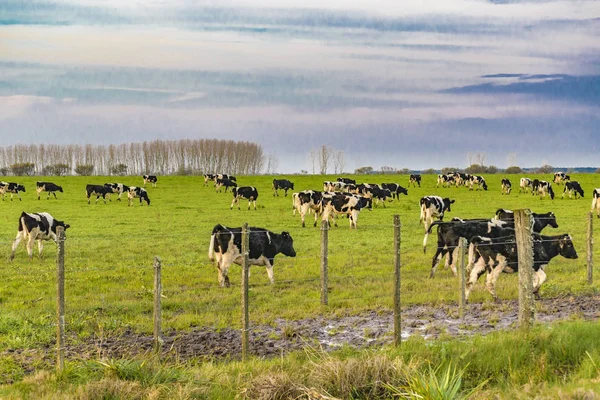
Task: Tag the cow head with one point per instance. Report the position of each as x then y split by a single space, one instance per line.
485 186
60 189
292 185
402 190
287 245
447 203
57 223
565 244
552 219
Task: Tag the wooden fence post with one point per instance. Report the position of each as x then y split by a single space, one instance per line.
462 248
397 297
245 313
590 248
324 262
524 239
60 275
157 304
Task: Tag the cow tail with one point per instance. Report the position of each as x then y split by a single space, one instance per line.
22 225
211 248
422 217
425 242
471 259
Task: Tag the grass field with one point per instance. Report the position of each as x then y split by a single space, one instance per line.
110 250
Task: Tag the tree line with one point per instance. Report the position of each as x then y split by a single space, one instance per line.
160 157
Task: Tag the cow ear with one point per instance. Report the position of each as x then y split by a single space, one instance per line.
67 226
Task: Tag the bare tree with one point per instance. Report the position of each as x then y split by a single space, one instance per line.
512 159
339 161
324 156
314 155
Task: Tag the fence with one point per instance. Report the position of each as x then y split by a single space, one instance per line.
526 297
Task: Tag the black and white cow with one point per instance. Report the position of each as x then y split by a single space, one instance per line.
445 180
224 176
150 178
414 179
282 184
306 201
540 220
542 188
137 192
226 183
49 187
98 191
244 192
463 179
347 181
226 248
525 185
12 188
560 177
36 226
498 255
506 186
380 194
478 182
433 207
572 187
208 177
118 188
396 189
340 203
596 201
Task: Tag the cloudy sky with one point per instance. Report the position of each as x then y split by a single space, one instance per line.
412 83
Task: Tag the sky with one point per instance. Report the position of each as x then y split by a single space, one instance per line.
407 84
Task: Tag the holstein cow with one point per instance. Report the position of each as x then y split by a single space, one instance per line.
540 221
49 187
572 187
137 192
224 182
208 177
414 179
396 189
525 185
432 207
226 249
449 234
506 186
347 181
35 226
596 201
150 178
12 188
344 204
306 201
478 182
497 255
283 184
542 188
445 180
98 191
224 176
560 177
380 194
117 188
244 192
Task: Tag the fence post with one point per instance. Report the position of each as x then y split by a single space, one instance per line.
157 304
590 248
60 275
462 247
245 315
525 257
397 297
324 262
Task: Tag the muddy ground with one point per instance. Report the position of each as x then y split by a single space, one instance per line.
365 330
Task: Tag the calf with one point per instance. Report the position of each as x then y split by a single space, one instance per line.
351 205
49 187
381 195
540 221
137 192
497 255
117 188
572 187
525 185
36 226
12 188
226 248
596 201
224 182
414 179
283 184
150 178
560 177
396 189
478 182
506 186
543 188
245 192
98 191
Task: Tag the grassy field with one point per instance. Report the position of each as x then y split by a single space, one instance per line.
110 250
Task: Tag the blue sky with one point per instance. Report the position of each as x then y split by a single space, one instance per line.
399 83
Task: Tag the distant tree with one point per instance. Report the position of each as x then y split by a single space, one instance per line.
363 170
513 170
475 169
303 172
545 169
118 169
404 171
339 161
430 171
22 169
56 169
447 170
491 169
84 169
324 155
387 170
597 171
4 170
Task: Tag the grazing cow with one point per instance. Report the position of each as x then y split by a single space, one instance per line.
226 249
478 181
396 189
540 221
208 177
347 181
497 255
35 226
414 179
463 179
135 192
244 192
449 234
596 201
224 182
224 176
543 188
572 187
283 184
506 186
12 188
98 191
525 185
150 178
445 180
560 177
117 188
344 204
49 187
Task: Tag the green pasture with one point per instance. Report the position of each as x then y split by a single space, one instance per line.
110 250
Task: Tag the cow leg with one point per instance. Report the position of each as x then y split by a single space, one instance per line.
436 260
450 260
538 279
477 269
30 246
269 267
254 202
40 248
493 275
20 236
